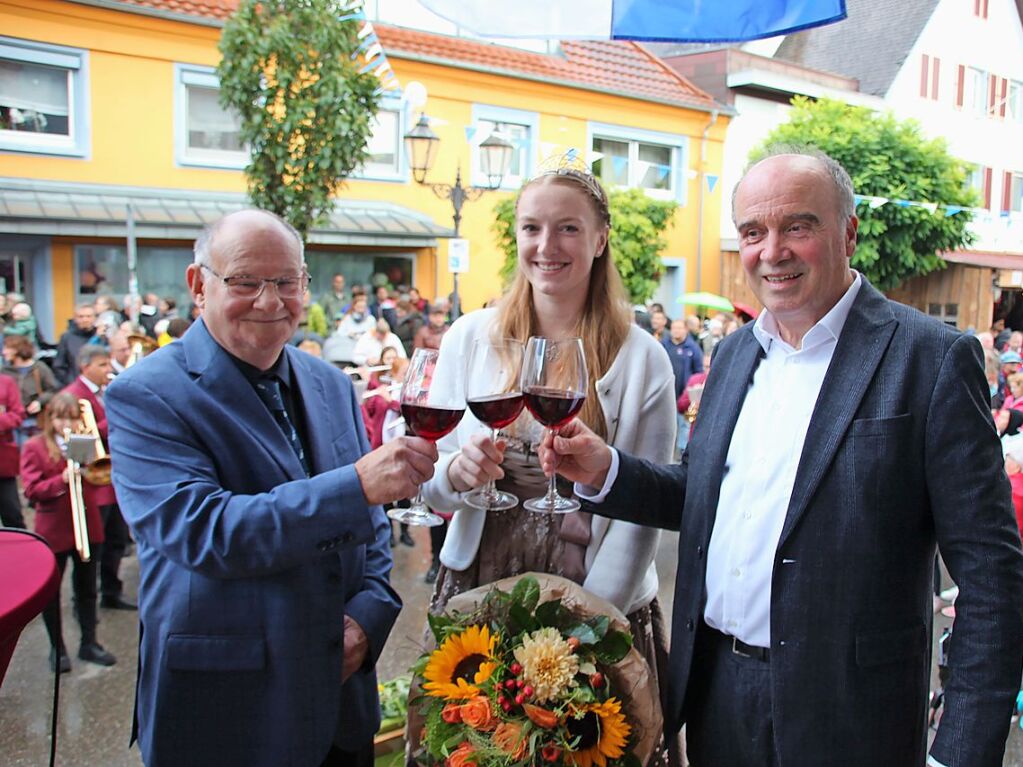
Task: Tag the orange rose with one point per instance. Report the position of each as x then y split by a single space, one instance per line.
477 713
541 717
452 713
461 756
508 738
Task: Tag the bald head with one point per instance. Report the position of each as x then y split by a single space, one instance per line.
247 223
813 161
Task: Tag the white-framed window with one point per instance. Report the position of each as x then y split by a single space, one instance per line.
516 126
947 313
976 97
43 104
975 179
386 161
1015 181
637 158
205 134
1014 109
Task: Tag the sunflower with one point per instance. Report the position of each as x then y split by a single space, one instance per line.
602 732
461 662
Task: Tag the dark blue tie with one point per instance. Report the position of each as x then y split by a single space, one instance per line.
269 390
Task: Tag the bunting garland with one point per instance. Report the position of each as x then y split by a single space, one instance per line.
370 51
946 210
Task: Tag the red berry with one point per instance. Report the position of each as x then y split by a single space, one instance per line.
528 691
596 679
515 668
505 706
520 698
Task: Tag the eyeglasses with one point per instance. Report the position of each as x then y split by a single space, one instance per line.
243 286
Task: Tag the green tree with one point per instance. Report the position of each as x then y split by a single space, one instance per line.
287 68
638 223
887 158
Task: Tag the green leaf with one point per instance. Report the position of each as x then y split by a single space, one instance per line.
439 624
549 613
526 592
613 647
583 632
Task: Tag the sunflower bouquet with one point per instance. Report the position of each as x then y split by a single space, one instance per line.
542 673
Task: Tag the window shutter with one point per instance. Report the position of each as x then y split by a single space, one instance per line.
935 74
987 188
925 68
1004 98
1006 191
960 85
984 9
992 93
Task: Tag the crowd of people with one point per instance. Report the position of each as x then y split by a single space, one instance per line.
839 440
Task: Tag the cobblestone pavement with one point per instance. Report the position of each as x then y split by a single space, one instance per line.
96 703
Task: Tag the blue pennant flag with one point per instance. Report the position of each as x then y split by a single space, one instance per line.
663 20
712 181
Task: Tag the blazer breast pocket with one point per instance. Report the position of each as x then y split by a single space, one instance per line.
346 448
881 427
197 652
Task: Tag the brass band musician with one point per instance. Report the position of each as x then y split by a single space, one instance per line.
95 366
45 475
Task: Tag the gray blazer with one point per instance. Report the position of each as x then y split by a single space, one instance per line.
901 454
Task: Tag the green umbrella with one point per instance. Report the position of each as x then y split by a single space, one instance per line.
707 301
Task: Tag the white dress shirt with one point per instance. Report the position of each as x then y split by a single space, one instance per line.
760 471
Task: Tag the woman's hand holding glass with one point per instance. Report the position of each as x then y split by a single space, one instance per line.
494 397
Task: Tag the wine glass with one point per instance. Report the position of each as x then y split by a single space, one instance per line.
554 385
494 396
432 404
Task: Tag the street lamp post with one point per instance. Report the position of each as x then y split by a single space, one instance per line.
495 156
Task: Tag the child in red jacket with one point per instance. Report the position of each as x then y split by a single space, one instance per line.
44 476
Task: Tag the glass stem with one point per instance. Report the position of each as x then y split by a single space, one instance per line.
490 489
418 507
552 488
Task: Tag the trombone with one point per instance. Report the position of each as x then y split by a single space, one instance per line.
141 345
96 471
78 520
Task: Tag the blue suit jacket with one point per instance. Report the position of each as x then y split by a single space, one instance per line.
901 453
247 567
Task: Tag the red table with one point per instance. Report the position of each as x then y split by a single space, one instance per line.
28 581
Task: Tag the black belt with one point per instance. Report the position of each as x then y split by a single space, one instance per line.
736 645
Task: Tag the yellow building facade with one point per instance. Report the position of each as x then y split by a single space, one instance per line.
108 124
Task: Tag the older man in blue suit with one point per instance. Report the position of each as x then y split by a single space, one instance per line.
243 470
841 436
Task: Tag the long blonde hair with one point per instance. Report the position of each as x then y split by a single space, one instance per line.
606 317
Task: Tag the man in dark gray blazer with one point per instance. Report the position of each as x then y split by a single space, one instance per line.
840 437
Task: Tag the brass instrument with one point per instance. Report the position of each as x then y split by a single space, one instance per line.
97 471
141 345
78 520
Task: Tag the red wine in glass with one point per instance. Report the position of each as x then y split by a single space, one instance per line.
494 397
431 423
554 383
553 407
432 403
497 410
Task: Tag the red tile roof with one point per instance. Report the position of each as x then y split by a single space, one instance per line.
206 9
623 68
619 67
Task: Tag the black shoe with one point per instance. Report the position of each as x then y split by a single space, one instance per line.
94 653
117 603
406 538
65 661
431 574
